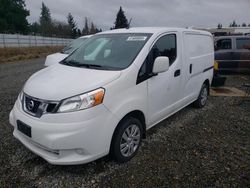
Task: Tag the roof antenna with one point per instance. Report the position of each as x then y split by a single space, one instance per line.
129 23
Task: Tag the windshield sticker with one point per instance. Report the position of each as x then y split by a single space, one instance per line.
137 38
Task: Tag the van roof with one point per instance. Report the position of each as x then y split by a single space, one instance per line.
153 30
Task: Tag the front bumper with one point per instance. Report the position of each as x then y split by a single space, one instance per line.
67 138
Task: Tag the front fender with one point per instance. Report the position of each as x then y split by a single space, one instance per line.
128 100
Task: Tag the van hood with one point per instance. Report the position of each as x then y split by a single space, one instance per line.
60 81
55 58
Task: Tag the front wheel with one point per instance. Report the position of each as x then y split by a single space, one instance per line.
126 140
202 98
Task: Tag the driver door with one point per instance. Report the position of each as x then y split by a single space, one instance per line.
164 89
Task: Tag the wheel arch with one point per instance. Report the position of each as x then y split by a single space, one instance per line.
138 114
207 83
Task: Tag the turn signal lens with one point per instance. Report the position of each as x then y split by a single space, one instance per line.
99 97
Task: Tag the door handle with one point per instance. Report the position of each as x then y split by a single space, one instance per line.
177 73
190 68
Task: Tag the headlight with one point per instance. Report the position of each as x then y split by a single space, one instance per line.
83 101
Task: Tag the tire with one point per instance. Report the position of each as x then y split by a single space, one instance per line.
126 140
202 98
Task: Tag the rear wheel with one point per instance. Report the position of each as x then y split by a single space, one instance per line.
203 96
126 140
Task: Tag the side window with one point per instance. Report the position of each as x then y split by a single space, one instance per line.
224 44
243 43
165 46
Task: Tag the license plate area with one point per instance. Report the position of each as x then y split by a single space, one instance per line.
23 128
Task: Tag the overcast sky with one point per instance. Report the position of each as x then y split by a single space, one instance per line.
180 13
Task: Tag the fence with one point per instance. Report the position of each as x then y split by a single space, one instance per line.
9 40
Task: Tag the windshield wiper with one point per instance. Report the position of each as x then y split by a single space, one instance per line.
86 65
89 65
70 63
95 66
78 64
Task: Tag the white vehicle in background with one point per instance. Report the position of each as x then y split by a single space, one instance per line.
105 96
71 47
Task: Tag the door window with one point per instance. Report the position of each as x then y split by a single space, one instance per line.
224 44
243 43
165 46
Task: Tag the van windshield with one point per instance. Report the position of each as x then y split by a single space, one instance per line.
108 51
73 45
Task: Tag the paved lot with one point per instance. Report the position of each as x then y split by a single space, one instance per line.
193 148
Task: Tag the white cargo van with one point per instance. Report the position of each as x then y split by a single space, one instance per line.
103 97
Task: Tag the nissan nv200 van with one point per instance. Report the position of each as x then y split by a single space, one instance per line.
103 97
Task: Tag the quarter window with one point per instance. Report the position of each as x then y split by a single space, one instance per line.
243 43
224 44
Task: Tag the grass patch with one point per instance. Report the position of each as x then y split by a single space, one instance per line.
25 53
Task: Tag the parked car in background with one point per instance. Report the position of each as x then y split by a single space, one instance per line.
103 97
233 53
57 57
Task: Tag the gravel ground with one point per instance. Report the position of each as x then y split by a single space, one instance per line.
207 147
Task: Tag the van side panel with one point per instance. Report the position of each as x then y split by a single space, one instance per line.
198 63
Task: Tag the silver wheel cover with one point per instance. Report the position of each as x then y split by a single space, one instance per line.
130 140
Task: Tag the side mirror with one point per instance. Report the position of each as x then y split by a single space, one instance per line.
161 64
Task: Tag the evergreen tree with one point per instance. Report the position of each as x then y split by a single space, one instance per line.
34 28
45 21
85 30
244 25
79 33
61 29
98 30
92 28
121 20
234 24
13 16
72 25
219 26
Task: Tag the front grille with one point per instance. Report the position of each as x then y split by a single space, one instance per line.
31 104
38 107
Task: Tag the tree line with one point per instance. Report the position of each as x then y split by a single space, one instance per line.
50 27
13 19
233 24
